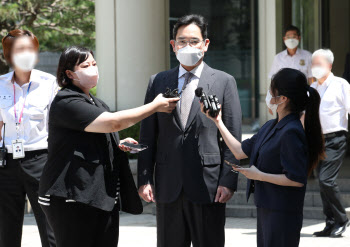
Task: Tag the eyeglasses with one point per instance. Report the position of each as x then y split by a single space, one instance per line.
192 42
292 37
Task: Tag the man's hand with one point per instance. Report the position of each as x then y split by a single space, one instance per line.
147 193
223 194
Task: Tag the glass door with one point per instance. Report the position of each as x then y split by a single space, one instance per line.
304 14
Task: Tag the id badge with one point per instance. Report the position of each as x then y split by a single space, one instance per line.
17 149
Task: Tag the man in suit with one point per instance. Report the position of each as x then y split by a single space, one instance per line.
185 154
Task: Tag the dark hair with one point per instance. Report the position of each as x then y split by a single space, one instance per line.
293 84
10 38
192 19
291 28
69 58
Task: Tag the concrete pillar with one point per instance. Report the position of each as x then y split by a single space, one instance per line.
132 43
267 51
105 13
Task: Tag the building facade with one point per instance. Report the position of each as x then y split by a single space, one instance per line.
132 42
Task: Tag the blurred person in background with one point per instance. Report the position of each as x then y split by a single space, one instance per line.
334 109
26 95
293 57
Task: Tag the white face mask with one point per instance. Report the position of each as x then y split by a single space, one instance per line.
291 43
318 72
88 78
25 60
268 99
189 56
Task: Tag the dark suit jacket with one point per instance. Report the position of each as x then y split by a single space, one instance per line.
279 148
190 159
79 165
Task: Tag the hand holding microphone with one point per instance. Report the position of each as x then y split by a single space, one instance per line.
165 104
209 104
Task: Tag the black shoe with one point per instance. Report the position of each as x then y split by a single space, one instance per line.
326 232
339 229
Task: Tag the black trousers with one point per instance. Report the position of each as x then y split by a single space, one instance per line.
181 222
278 228
20 178
76 224
328 170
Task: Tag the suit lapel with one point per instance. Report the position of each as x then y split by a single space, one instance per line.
173 82
271 131
206 81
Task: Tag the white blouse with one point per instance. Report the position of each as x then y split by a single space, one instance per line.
34 125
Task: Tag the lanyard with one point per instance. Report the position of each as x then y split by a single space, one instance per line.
14 106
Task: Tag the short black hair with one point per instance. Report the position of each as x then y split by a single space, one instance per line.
198 20
292 28
70 57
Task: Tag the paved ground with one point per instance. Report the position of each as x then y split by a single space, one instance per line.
136 231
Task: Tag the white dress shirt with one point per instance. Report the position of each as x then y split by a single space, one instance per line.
34 126
194 79
301 61
335 103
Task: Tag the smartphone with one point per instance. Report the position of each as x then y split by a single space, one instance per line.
231 164
135 148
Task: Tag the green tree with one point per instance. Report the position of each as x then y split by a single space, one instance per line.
56 23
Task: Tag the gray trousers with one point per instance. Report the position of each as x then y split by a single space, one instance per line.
328 170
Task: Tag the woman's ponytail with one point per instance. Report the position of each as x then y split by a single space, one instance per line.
313 129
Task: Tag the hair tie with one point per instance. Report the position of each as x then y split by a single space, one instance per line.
308 90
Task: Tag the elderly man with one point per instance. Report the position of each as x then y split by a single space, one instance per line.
334 108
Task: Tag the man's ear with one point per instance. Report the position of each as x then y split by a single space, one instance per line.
172 42
69 74
206 45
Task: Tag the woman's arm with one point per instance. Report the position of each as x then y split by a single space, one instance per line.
233 144
279 179
112 122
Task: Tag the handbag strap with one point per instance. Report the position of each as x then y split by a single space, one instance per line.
3 138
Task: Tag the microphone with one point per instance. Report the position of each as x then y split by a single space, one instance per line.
210 102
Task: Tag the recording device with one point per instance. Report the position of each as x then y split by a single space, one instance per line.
171 93
211 102
3 152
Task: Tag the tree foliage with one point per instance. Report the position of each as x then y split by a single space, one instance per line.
56 23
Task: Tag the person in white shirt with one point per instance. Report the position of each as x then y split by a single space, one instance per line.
25 98
334 109
293 57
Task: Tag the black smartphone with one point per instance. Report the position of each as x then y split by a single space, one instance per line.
231 164
135 148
